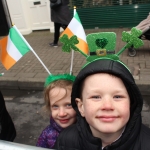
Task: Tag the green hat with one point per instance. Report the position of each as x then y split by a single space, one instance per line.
101 44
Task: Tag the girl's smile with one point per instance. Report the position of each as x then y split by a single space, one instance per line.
61 108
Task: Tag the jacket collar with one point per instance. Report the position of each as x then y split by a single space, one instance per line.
126 141
55 125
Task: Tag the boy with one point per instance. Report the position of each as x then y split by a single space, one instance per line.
108 105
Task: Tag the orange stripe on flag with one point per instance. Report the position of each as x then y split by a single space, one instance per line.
6 60
82 45
68 32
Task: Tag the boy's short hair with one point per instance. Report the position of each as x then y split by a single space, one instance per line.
66 84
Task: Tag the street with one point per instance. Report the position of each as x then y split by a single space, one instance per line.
25 108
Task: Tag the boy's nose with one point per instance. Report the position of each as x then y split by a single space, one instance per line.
62 112
107 104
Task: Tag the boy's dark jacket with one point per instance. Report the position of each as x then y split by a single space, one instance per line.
79 137
7 128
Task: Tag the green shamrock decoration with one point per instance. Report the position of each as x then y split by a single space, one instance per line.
101 42
132 38
106 41
69 44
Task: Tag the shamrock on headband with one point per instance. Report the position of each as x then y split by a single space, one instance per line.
69 43
103 44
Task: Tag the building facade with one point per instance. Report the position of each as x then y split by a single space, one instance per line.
29 15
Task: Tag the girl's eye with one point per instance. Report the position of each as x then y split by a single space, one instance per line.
54 106
69 105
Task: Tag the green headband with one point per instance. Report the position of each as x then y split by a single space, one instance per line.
102 45
52 78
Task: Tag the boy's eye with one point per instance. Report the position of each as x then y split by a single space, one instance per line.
117 96
96 97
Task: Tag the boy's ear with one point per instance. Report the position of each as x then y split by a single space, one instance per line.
80 106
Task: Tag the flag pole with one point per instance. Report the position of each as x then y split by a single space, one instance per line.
31 48
72 52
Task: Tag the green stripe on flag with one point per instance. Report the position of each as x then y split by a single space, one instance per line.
18 42
77 17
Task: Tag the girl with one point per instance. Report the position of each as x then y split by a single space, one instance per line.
57 95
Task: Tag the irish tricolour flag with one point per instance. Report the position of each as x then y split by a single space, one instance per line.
12 48
75 28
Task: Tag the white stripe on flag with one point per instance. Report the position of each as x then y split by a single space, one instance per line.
77 29
12 50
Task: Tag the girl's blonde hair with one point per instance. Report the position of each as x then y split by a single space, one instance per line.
66 84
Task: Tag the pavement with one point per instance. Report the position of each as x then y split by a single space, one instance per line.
28 73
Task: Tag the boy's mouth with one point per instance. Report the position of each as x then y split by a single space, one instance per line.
107 118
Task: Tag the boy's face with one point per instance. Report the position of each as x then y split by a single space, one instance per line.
60 107
105 104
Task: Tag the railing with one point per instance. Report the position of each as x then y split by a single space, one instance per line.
99 3
112 16
4 145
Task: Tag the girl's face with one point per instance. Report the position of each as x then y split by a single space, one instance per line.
105 104
61 108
